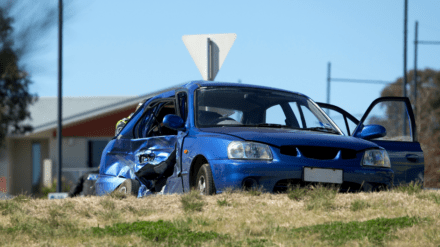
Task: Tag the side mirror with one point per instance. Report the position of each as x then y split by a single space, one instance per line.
371 131
174 122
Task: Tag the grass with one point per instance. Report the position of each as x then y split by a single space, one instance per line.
316 197
376 230
158 231
358 205
313 216
411 188
296 192
223 203
321 197
434 197
192 202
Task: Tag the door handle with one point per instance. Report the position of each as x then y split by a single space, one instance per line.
412 157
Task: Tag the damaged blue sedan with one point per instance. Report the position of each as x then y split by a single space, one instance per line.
211 136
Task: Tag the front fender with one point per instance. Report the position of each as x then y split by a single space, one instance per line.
210 146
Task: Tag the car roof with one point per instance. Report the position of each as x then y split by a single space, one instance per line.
201 83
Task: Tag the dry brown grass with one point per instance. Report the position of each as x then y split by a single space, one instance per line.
243 217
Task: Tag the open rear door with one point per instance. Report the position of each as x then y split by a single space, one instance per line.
406 155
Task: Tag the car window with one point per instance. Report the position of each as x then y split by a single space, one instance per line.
221 106
272 115
217 115
150 124
182 99
392 115
310 119
141 126
339 119
296 112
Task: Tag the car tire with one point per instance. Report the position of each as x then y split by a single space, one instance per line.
129 187
204 181
89 188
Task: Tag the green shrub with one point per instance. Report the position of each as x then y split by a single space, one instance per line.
66 185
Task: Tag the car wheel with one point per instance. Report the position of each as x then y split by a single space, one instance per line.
129 187
205 182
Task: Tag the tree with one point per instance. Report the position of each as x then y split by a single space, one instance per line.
15 46
427 117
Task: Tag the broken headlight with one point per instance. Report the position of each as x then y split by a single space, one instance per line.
249 150
377 158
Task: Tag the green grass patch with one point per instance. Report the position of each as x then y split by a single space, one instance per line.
160 232
358 205
223 203
107 203
321 197
8 207
192 202
118 195
296 193
411 188
430 196
56 224
376 230
22 198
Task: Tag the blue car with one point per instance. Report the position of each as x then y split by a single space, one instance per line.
211 136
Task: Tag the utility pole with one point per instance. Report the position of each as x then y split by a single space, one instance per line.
60 93
416 44
415 70
328 83
404 63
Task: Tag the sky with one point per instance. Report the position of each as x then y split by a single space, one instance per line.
124 48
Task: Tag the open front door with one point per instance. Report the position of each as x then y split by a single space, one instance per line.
393 113
406 155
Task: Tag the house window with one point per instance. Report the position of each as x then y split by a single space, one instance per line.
36 164
95 151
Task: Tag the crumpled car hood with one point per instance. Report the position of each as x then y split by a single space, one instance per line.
281 137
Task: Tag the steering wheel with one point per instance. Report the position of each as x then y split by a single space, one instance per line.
218 120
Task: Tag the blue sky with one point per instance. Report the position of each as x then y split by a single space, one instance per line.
114 48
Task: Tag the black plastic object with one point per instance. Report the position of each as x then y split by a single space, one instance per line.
164 168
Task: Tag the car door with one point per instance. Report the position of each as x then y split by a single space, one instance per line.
396 115
151 143
345 121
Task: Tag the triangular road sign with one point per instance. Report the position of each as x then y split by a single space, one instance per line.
209 51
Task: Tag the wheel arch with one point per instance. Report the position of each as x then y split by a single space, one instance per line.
196 163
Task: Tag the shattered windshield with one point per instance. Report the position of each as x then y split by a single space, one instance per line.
241 106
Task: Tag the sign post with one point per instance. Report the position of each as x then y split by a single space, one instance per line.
209 51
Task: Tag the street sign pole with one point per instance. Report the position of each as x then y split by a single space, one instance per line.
60 92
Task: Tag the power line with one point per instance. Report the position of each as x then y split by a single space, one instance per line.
429 42
361 81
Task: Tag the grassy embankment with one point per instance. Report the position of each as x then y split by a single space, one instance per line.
406 216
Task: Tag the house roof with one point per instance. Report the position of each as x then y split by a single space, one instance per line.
75 109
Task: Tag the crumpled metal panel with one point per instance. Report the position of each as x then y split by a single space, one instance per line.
106 184
121 159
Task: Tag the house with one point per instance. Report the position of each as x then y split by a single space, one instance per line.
88 124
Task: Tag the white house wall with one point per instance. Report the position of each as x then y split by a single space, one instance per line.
4 162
